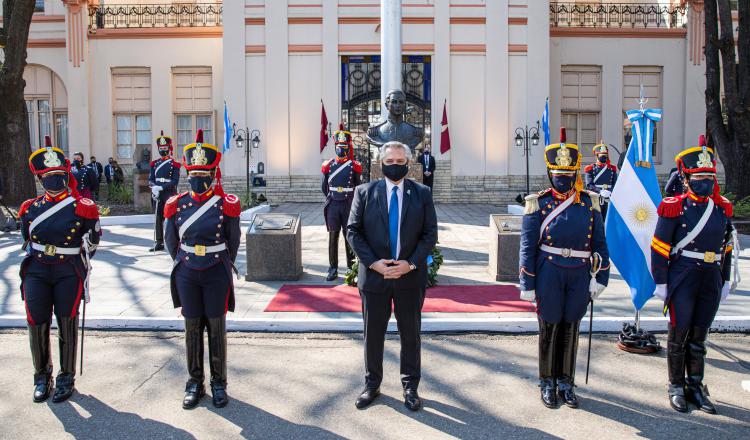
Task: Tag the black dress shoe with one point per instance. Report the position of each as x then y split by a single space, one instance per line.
194 392
219 393
64 387
367 397
548 394
333 273
567 394
157 247
412 400
698 394
42 390
677 398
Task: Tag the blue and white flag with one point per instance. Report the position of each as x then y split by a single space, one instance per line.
227 130
631 217
545 122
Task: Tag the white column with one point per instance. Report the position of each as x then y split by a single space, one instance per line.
496 113
331 83
233 90
390 49
441 74
277 89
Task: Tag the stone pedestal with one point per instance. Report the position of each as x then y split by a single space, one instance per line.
141 190
274 247
504 246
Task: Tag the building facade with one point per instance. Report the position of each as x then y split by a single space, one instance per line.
105 78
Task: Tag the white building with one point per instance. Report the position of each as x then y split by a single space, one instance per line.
106 79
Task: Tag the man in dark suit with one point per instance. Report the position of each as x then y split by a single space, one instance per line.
98 171
392 228
428 166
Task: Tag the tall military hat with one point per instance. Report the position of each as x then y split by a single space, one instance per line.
601 148
199 155
562 157
343 138
48 158
164 142
697 160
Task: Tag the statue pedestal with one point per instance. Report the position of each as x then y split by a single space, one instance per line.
415 172
141 190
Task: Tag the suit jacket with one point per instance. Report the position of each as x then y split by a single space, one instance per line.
430 166
367 233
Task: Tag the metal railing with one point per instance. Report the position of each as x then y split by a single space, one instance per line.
111 16
617 15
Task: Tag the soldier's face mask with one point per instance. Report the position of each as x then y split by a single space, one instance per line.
78 162
601 159
563 183
341 152
164 152
702 187
55 182
200 183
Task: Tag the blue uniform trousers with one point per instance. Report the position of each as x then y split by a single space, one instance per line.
203 293
562 293
48 287
694 299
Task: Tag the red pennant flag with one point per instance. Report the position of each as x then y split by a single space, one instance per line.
445 138
323 127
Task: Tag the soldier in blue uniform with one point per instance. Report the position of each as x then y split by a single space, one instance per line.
163 180
564 263
601 176
203 236
340 176
60 231
690 262
84 175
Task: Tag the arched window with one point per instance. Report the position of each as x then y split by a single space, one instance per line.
47 105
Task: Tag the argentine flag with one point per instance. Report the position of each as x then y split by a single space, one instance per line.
545 122
227 130
631 217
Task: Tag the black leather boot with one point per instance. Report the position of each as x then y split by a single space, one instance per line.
567 349
159 246
547 335
676 342
695 363
333 256
194 388
41 355
217 360
67 329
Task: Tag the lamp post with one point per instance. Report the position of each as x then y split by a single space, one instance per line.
523 136
247 139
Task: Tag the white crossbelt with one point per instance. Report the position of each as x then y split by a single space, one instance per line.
708 257
163 180
52 250
197 214
161 165
697 229
338 170
567 253
599 174
202 250
50 212
340 189
555 212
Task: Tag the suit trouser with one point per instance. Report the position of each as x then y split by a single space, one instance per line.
376 311
158 205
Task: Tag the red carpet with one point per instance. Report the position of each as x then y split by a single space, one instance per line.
451 299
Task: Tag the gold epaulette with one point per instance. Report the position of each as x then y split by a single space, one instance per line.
532 204
594 200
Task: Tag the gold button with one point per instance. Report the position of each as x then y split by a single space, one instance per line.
78 224
217 234
588 236
61 257
69 237
34 236
187 258
72 230
190 204
550 257
549 237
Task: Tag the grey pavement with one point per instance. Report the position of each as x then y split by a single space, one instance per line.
303 386
129 282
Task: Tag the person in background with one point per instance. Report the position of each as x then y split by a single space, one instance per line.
109 172
119 176
428 167
163 178
601 176
84 176
99 170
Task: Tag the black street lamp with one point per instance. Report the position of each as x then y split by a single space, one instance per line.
523 136
244 138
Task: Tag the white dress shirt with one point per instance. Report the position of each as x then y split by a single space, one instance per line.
400 194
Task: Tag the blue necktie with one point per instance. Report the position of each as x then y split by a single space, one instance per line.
393 223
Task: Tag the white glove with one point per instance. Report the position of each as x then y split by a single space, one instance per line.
528 295
661 291
724 291
605 193
155 190
596 289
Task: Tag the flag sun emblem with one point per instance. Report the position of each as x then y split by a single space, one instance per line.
641 214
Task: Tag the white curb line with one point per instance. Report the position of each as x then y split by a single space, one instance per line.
145 219
500 325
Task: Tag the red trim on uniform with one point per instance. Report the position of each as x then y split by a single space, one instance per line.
326 167
29 319
50 198
611 167
232 206
226 303
670 207
672 319
202 197
725 204
78 299
588 168
86 208
357 167
25 206
170 208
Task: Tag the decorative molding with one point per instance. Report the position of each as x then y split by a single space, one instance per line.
617 32
151 33
518 21
375 48
305 48
305 20
468 20
376 20
76 31
697 32
39 43
255 21
39 18
518 48
468 48
255 48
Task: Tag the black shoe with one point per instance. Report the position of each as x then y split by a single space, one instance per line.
698 394
157 247
42 389
333 274
367 397
219 393
412 400
194 392
548 394
677 398
567 394
64 387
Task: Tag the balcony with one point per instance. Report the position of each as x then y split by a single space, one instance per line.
154 16
621 16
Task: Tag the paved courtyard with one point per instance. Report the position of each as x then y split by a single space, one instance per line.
129 282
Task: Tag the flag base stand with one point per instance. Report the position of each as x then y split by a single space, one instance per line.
634 339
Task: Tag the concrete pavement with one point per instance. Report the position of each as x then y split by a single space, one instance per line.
304 386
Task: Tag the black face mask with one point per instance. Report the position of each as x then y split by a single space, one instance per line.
395 172
601 159
200 184
55 182
163 153
111 162
562 183
341 152
703 187
77 163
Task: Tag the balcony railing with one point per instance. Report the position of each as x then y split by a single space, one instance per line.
617 15
111 16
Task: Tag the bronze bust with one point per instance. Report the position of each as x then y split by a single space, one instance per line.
145 163
394 128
